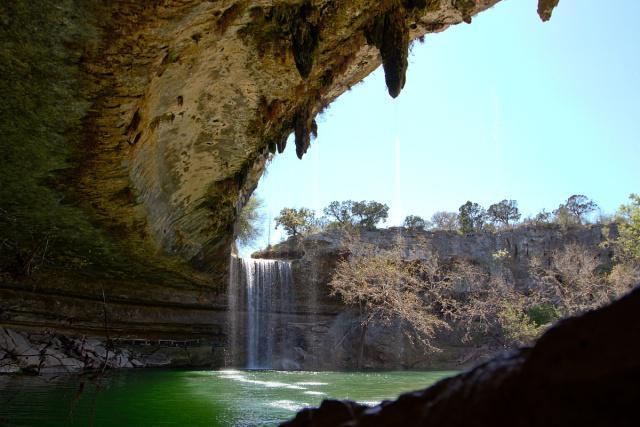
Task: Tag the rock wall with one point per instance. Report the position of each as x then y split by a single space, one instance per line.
324 334
133 132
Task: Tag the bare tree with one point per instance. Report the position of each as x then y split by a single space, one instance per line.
572 282
491 307
445 221
385 288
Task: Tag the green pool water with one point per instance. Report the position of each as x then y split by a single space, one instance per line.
191 398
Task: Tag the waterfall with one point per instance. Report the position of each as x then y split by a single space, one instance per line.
260 296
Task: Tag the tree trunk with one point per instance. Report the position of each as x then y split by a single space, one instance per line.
363 333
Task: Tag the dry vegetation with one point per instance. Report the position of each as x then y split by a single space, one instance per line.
481 305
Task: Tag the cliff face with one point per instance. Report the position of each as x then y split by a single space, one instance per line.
325 334
133 132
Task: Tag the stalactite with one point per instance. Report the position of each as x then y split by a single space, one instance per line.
290 26
304 43
545 8
303 129
282 144
466 8
390 34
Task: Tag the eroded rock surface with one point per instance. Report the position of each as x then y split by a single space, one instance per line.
47 353
133 132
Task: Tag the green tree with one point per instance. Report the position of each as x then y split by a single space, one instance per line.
564 217
471 217
362 214
414 222
369 214
341 213
445 221
628 242
543 217
296 221
504 212
249 223
578 206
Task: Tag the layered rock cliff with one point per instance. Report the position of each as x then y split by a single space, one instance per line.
324 334
133 132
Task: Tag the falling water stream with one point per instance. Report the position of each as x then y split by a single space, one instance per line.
261 294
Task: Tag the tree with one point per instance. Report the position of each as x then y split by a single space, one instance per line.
543 217
471 217
564 218
341 213
369 214
628 242
414 222
387 288
295 221
577 205
357 214
504 212
248 225
445 221
571 280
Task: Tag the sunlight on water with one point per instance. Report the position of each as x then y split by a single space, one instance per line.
191 398
315 393
289 405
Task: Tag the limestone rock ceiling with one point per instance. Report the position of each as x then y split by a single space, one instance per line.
194 95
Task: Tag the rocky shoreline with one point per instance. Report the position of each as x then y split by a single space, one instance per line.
38 353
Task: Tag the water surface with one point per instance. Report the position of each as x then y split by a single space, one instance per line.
191 398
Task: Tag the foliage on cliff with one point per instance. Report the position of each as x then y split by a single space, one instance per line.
248 226
628 242
482 304
296 221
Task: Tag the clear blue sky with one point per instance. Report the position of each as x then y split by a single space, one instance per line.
508 107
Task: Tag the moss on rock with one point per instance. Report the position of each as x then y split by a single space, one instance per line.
296 25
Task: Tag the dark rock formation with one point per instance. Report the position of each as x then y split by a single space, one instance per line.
582 372
545 8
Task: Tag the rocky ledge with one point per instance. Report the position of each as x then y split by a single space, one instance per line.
48 353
